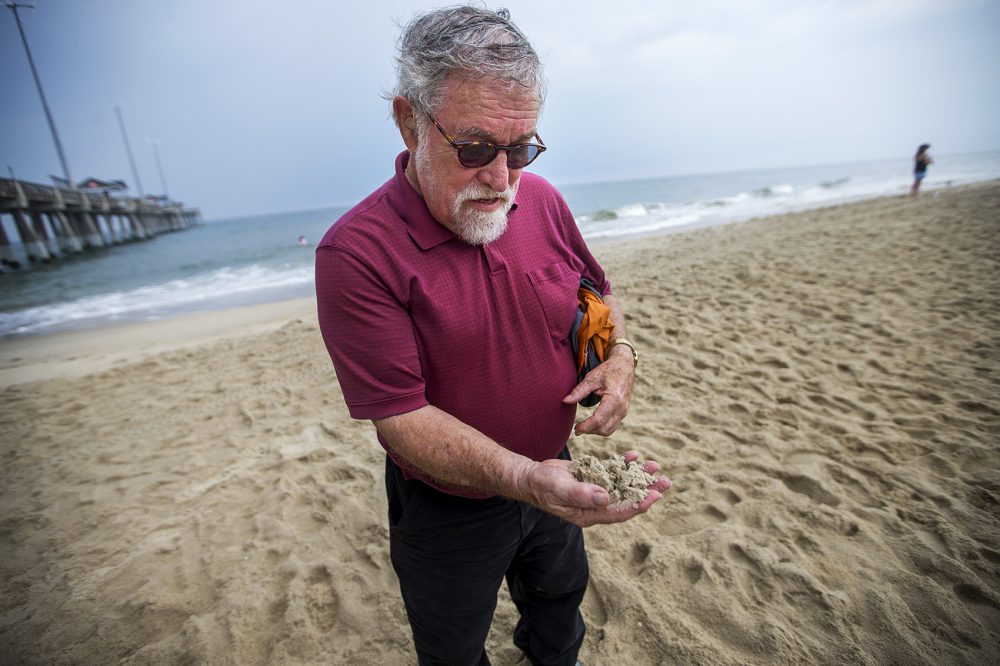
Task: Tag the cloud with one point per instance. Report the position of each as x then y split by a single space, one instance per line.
270 106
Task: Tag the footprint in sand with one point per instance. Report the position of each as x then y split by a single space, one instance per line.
934 540
739 555
977 407
321 599
676 443
693 571
694 522
728 496
810 487
640 553
990 555
981 604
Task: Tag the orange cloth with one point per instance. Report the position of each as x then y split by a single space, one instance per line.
596 327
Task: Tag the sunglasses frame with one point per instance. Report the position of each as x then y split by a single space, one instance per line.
459 145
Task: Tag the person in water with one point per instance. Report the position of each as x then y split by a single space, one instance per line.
920 162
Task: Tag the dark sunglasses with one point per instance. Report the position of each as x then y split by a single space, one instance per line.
476 154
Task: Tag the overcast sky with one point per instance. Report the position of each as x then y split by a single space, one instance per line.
269 106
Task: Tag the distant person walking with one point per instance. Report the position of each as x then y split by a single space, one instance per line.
920 162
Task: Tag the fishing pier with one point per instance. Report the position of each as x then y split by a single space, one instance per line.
50 222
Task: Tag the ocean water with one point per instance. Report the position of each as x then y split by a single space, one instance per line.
242 261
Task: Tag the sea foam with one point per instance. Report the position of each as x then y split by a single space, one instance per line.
213 289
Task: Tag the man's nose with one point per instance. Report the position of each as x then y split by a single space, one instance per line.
496 174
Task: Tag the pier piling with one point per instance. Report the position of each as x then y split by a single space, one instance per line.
52 222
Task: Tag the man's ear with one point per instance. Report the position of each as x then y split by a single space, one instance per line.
406 119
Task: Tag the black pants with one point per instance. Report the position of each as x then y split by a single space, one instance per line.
451 553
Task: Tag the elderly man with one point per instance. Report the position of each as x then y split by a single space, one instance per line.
445 299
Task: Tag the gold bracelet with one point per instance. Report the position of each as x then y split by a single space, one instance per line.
627 343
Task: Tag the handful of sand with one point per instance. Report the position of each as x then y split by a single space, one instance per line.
626 482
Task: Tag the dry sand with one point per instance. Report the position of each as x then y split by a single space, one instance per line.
823 388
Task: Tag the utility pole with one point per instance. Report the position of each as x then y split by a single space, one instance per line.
154 143
128 149
13 7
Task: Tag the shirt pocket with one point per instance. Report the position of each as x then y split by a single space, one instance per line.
555 287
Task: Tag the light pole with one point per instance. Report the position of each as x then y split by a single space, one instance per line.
128 150
154 144
13 7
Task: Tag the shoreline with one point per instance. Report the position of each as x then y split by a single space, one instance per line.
81 313
69 329
821 386
77 353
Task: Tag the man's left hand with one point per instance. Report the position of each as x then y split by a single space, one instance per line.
612 380
552 488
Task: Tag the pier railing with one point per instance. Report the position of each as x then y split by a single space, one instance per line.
51 222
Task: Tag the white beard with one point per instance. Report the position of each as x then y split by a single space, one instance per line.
477 227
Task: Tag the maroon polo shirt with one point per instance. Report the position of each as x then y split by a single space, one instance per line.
414 316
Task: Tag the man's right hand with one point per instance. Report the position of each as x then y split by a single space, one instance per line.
551 487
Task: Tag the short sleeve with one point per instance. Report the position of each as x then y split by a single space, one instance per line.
369 335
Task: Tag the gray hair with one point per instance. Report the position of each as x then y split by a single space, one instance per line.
466 39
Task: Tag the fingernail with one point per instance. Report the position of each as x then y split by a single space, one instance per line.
600 499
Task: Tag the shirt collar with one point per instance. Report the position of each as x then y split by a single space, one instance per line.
425 231
412 209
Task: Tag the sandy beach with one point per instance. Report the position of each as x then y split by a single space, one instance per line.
822 387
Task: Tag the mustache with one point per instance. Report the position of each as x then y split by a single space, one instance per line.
473 192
